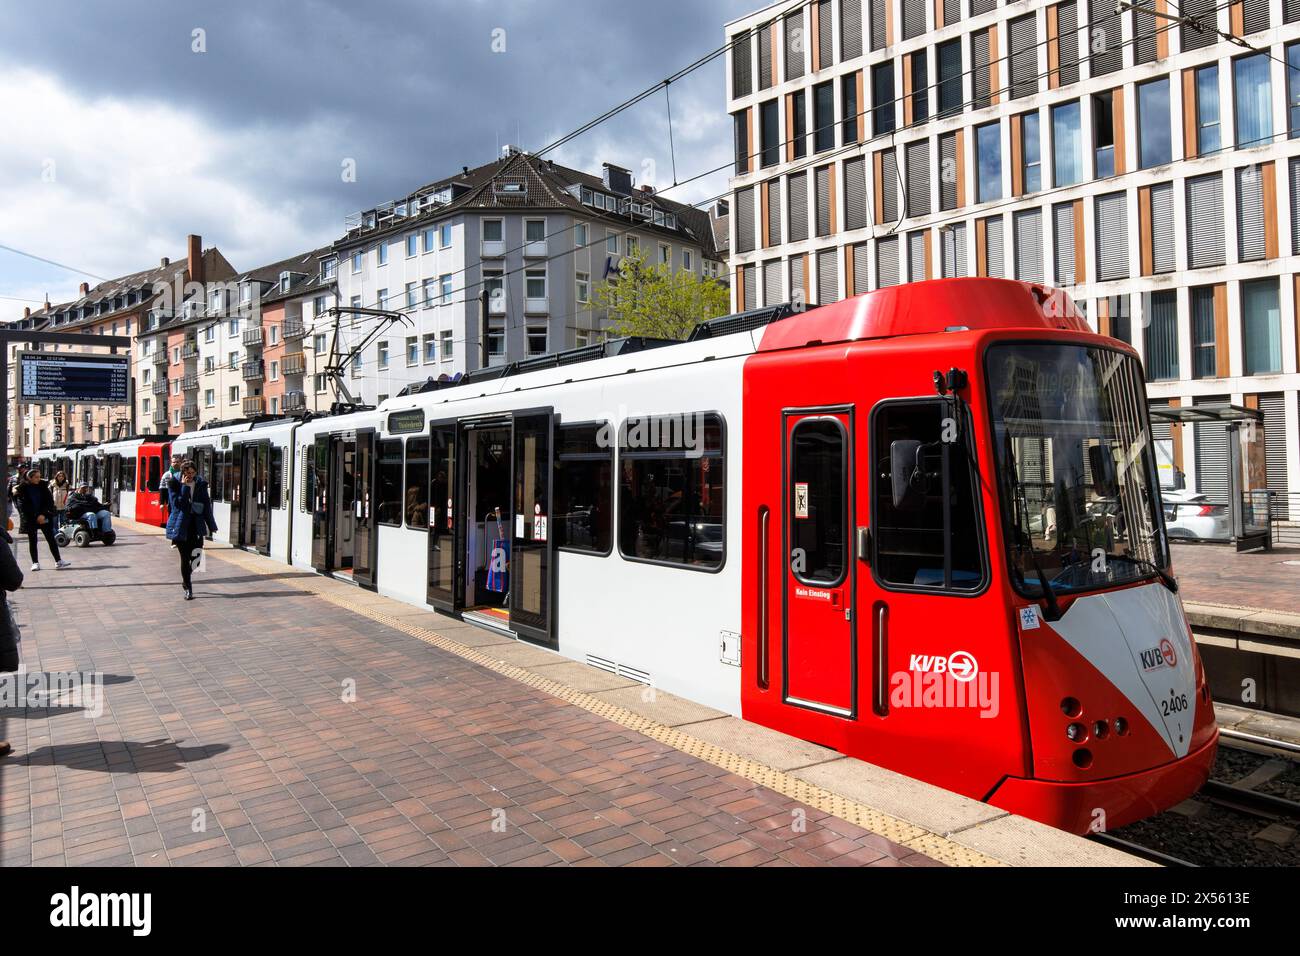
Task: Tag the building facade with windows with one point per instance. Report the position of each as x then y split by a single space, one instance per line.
1147 165
537 237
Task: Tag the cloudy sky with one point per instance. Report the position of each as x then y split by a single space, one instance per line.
121 139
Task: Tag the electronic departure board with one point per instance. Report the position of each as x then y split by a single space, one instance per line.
72 378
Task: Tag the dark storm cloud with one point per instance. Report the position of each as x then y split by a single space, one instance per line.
411 90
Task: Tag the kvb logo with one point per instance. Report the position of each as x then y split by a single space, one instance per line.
960 665
1163 655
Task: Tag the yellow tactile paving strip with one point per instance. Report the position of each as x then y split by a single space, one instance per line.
891 828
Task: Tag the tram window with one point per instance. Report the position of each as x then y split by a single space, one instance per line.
817 470
920 544
217 481
417 483
154 475
671 490
584 494
275 478
128 474
389 496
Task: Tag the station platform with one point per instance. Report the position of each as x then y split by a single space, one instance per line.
284 718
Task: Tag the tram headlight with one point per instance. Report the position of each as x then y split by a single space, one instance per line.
1071 707
1100 729
1077 733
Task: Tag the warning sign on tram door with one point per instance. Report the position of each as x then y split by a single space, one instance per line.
801 499
73 378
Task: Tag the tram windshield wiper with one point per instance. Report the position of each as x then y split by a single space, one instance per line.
1165 577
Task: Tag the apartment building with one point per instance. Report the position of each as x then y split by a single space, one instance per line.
234 349
537 237
1146 164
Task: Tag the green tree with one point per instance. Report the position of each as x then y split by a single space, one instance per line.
657 302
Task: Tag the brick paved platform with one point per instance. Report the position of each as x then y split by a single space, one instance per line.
230 710
1218 574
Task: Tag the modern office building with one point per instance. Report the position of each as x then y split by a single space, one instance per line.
1145 163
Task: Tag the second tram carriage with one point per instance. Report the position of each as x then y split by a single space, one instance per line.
922 527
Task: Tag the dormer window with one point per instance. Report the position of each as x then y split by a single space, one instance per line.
285 280
246 293
328 268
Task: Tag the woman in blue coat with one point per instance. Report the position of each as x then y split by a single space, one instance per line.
190 521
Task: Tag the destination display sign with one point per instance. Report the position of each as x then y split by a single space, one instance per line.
74 378
406 423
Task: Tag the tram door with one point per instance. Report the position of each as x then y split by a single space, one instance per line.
446 590
322 498
255 513
820 619
365 535
532 557
344 542
113 484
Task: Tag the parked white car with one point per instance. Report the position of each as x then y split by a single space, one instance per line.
1189 514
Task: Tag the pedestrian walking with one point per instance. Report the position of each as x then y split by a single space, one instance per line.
11 579
60 488
190 522
36 506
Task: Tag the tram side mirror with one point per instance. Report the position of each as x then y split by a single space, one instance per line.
1105 478
907 477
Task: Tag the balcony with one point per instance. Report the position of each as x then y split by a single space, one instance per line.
253 337
162 357
497 302
294 402
254 406
160 387
535 249
537 305
252 371
189 383
160 415
190 413
295 363
190 350
293 329
492 249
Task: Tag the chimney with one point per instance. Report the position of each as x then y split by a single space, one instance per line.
164 263
85 289
27 312
194 256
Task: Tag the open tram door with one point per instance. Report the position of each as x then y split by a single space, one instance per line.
491 556
344 543
253 520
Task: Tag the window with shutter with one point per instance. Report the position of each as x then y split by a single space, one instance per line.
861 268
948 171
887 262
1067 30
745 220
1190 35
952 240
1027 228
1063 243
822 186
1250 214
1107 49
828 276
855 193
889 185
774 213
949 89
1144 35
1162 228
1024 56
918 178
1294 170
951 12
797 293
741 126
1212 454
982 6
796 46
916 256
772 294
742 66
1160 337
994 255
1112 237
1205 246
1273 407
913 18
1290 11
1254 15
797 190
979 62
878 24
825 48
764 58
750 282
850 29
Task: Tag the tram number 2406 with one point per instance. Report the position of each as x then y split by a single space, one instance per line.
1176 704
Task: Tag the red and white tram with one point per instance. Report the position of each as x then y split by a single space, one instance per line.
921 527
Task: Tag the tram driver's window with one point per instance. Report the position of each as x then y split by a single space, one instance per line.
416 495
155 475
918 543
672 499
584 489
389 510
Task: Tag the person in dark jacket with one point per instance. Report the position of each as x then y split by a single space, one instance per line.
11 579
84 503
190 522
36 505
